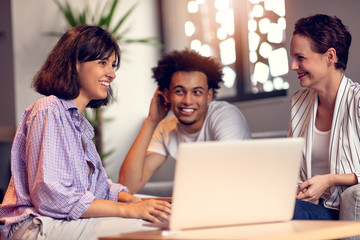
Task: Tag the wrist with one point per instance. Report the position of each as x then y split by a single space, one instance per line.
122 209
124 196
151 122
331 180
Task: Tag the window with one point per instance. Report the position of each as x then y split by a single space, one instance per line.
247 36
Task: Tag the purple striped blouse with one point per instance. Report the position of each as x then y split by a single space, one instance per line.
50 156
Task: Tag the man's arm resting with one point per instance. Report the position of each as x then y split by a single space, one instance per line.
135 174
138 166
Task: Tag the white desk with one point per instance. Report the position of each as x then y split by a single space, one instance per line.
301 230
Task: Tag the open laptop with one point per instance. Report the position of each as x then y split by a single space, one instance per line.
235 182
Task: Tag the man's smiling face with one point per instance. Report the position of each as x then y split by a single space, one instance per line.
189 95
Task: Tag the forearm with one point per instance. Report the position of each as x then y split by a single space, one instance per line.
132 170
343 179
148 209
104 208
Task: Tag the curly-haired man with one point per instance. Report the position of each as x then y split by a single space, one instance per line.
187 84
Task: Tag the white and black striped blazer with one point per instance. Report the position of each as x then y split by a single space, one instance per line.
344 149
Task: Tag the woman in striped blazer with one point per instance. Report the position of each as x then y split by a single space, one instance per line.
326 113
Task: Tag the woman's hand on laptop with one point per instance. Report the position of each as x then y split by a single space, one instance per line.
150 210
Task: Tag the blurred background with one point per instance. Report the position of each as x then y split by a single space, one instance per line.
250 37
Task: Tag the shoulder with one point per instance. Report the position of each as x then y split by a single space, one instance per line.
46 103
222 113
303 96
224 121
354 87
46 106
168 124
302 93
352 95
219 107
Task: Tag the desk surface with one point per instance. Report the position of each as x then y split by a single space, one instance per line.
281 230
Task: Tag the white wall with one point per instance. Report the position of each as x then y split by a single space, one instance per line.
133 86
31 19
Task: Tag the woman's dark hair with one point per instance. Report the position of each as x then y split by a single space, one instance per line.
187 60
326 32
58 76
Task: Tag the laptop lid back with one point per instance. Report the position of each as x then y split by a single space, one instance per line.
235 182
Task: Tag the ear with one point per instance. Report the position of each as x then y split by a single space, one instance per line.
166 95
78 66
331 57
210 95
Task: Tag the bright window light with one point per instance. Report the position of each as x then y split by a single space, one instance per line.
275 34
210 29
268 86
253 81
277 6
258 11
189 28
265 50
205 50
227 51
252 25
278 62
282 22
261 72
264 25
229 77
228 24
221 4
278 83
193 7
253 57
195 45
286 85
254 40
219 17
221 34
254 89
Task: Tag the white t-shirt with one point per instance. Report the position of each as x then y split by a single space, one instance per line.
223 121
320 164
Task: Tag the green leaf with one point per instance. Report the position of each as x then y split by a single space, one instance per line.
110 14
154 41
105 155
102 15
122 20
69 15
107 120
54 34
82 17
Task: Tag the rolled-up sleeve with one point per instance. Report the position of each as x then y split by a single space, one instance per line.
115 189
80 207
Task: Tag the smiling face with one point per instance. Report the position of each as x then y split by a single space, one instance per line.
189 95
312 68
95 78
